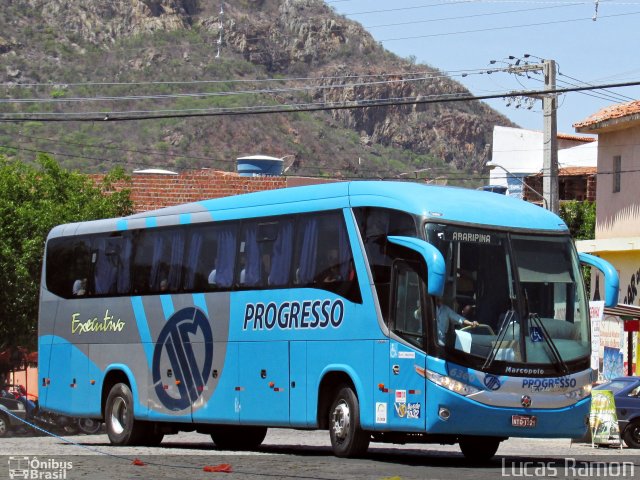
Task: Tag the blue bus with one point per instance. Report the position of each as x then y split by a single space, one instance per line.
379 311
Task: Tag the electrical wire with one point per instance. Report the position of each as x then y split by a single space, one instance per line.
186 113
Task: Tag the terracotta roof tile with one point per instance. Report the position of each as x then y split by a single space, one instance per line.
608 113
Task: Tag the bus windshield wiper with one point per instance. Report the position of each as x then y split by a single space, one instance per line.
558 362
508 319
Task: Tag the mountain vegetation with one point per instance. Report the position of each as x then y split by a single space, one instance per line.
63 59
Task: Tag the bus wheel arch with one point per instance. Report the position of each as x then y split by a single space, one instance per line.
339 412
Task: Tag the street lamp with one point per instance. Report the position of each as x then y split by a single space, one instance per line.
492 165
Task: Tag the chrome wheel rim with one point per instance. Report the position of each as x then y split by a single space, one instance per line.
341 420
119 416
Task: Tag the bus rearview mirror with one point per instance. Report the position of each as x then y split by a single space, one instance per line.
611 280
435 261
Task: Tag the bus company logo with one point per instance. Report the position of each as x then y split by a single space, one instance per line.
308 314
492 382
174 345
35 468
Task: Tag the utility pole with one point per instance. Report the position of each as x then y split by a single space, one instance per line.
550 139
550 130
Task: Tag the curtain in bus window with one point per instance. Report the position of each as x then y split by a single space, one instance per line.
158 248
124 266
225 257
344 254
192 260
281 256
175 265
106 268
307 262
253 263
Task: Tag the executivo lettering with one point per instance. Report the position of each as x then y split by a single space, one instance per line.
93 325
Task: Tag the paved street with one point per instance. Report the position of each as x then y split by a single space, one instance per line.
307 455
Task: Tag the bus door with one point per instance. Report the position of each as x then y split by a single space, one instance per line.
407 360
264 382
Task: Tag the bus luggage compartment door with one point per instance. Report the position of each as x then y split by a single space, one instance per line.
264 383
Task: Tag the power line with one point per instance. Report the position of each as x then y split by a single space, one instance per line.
115 116
506 27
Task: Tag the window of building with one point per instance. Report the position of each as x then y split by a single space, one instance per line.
617 172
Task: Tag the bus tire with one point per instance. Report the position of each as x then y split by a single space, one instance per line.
347 437
122 428
632 434
479 449
238 437
5 426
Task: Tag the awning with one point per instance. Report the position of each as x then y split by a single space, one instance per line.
623 310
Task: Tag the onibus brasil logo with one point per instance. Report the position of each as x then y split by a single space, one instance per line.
37 468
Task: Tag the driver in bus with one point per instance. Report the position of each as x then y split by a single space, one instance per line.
445 317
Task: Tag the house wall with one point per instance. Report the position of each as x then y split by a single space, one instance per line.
618 214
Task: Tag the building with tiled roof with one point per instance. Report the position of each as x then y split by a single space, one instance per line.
618 199
520 152
614 117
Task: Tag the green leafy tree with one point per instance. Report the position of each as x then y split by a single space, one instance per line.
34 199
580 217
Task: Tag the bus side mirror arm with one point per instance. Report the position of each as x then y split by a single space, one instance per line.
611 281
435 262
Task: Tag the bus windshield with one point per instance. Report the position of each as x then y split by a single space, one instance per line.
524 291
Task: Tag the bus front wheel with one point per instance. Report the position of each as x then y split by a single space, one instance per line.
347 437
479 449
122 428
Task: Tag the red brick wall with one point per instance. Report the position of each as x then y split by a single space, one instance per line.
150 191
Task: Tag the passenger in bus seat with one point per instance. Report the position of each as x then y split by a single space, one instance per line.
332 272
211 280
79 287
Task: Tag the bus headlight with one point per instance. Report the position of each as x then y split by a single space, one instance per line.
451 384
579 394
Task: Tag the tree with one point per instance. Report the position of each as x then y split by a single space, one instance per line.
580 217
34 199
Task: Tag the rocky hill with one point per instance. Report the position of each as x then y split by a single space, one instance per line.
74 56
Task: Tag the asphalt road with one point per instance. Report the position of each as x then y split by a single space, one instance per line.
291 454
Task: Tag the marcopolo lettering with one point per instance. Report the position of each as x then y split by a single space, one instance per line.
308 314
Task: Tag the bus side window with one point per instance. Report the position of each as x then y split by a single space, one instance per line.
210 257
375 224
112 265
68 265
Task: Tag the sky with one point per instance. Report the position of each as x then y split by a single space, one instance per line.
463 36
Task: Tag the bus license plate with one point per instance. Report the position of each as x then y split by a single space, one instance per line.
524 421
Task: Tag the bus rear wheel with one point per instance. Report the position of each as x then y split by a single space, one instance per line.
238 437
347 437
122 428
479 449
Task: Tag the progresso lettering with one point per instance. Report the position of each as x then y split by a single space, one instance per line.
548 384
471 237
294 315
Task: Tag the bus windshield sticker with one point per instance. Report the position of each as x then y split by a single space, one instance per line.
381 412
535 334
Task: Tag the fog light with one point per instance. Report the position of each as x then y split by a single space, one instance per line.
444 413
